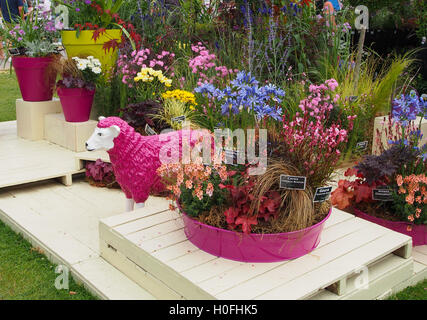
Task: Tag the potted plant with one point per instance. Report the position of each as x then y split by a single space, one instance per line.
97 30
391 188
77 87
260 212
33 50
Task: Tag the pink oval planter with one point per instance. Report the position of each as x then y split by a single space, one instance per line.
36 82
76 103
252 247
417 232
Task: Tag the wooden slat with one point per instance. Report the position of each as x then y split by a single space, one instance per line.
261 284
136 231
239 275
128 217
342 266
155 231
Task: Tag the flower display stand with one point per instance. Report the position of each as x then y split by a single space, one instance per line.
30 117
70 135
378 125
149 245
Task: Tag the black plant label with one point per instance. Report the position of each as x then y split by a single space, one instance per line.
178 119
150 131
292 182
362 146
382 194
13 51
322 194
352 98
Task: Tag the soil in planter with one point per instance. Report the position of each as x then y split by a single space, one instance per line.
377 210
216 218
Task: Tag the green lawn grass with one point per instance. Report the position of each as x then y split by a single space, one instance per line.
26 274
417 292
9 92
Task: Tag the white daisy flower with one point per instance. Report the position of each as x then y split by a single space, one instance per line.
96 70
81 65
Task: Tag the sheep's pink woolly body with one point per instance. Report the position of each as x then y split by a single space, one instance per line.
135 159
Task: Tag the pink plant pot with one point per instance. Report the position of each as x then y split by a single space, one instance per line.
76 103
252 247
417 232
36 80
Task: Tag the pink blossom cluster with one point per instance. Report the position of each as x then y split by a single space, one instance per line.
311 141
129 64
205 66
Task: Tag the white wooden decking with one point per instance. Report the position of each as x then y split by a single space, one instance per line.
151 248
24 161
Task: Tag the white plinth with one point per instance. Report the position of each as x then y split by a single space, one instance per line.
70 135
30 117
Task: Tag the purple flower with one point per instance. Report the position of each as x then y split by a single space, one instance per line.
88 1
77 9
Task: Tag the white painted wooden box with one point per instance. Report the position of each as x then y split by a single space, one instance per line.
150 247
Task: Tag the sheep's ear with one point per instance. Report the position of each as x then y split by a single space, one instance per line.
101 118
116 130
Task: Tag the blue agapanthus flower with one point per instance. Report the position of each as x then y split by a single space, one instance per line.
246 94
408 108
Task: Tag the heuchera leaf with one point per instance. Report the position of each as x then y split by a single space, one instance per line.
231 215
342 196
246 222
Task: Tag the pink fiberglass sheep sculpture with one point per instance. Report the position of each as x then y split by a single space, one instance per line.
135 158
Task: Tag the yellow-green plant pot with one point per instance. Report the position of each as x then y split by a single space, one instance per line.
84 45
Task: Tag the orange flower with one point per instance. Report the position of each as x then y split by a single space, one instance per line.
189 184
399 180
209 189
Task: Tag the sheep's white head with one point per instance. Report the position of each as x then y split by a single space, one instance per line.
102 138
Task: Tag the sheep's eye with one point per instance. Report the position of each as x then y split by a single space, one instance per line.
99 134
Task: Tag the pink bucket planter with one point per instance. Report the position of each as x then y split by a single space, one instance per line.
252 247
417 232
76 103
36 80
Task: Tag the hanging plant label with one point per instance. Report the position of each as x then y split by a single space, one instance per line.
322 194
178 119
150 131
362 146
292 182
382 195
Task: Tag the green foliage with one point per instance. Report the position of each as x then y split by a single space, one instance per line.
421 14
194 207
81 13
